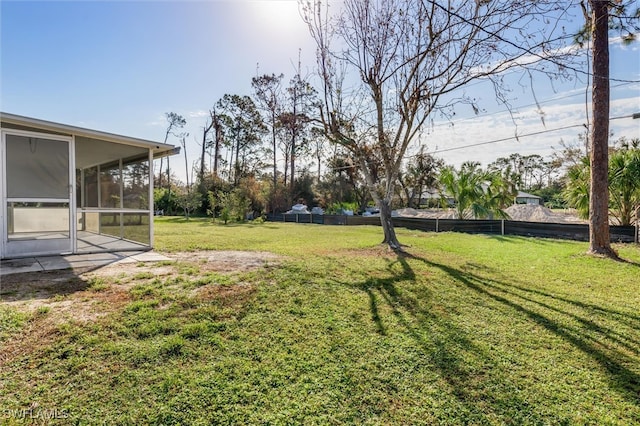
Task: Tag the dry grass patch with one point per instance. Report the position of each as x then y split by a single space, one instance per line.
227 261
50 300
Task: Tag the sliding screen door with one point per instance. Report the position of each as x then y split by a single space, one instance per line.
37 194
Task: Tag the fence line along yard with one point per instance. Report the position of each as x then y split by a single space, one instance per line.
567 231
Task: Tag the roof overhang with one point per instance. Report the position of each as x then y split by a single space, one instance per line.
159 149
522 194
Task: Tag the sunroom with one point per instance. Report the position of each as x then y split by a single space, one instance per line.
67 189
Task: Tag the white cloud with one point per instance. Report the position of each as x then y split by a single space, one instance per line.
500 126
198 114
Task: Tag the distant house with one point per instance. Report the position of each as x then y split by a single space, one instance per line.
432 197
524 198
67 189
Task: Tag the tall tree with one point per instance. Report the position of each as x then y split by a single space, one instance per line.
301 97
205 144
218 137
599 21
174 121
268 93
599 239
526 171
402 58
244 127
319 141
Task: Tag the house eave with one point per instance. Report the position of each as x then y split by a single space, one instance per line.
159 149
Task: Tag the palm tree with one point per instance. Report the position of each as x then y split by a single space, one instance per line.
624 184
477 194
499 194
465 187
577 191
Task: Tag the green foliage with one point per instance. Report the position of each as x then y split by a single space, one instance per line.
165 200
476 194
624 185
339 208
213 205
343 183
577 191
226 206
552 196
233 205
421 173
189 200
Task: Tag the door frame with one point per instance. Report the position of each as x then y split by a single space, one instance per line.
71 248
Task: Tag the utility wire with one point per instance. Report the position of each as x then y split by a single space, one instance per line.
525 49
438 151
475 117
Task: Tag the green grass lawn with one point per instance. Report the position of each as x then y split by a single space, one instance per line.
465 329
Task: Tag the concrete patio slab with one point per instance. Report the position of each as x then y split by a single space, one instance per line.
18 266
51 263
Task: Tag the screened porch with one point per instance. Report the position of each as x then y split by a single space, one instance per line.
72 190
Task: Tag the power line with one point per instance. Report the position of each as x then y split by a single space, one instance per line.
546 101
525 49
506 139
634 115
438 151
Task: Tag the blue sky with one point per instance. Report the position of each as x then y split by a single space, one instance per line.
118 66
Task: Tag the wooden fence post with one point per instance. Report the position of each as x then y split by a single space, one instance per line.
502 230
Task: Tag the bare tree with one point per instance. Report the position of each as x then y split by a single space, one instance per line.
405 58
218 138
174 121
205 143
301 98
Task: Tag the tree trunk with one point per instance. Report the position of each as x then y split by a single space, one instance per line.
599 239
275 162
202 154
218 139
159 184
292 164
384 204
236 167
390 237
205 131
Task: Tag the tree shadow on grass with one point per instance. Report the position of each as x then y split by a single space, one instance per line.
472 370
43 285
595 340
473 375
